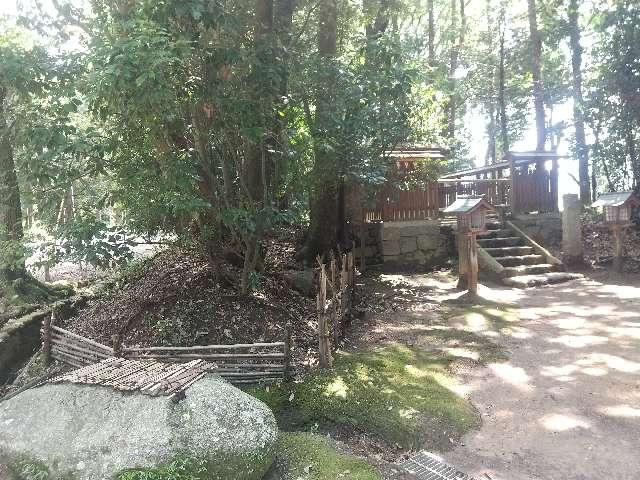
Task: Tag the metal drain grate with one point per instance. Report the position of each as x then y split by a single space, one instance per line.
427 466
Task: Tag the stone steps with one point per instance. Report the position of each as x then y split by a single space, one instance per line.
525 281
501 242
519 260
496 233
509 251
528 270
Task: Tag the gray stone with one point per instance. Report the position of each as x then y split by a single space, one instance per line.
420 257
572 229
429 242
300 280
408 244
93 432
391 247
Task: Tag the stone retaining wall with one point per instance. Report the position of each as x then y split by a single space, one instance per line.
415 245
545 229
20 337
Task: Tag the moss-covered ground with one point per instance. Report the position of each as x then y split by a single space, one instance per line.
306 456
402 395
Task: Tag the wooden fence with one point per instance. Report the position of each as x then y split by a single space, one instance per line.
334 303
395 204
238 363
75 350
496 191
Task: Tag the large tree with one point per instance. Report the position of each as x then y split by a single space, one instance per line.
578 102
536 73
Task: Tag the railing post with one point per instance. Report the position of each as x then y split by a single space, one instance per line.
287 352
46 337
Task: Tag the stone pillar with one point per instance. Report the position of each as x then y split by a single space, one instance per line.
572 230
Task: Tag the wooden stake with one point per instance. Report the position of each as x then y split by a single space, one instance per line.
618 259
472 273
463 260
46 338
287 352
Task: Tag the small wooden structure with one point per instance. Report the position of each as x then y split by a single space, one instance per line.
617 208
334 303
524 181
148 377
471 212
394 200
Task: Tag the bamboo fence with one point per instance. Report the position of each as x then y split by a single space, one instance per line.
238 363
334 303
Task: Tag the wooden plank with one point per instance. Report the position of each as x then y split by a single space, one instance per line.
204 347
78 337
180 356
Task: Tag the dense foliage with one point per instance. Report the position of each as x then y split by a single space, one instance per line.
207 123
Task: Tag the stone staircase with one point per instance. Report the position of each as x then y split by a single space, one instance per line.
518 261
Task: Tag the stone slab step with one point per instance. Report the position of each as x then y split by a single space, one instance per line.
501 242
524 281
528 270
517 260
498 233
509 251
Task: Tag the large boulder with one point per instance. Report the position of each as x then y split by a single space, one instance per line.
94 433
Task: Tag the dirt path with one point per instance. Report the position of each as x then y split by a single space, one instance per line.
566 405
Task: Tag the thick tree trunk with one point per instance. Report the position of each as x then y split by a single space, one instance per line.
323 229
258 167
578 103
536 73
11 267
502 101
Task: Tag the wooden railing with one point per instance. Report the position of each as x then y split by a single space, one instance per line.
496 191
395 204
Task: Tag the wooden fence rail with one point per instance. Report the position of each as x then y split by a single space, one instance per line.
334 303
237 363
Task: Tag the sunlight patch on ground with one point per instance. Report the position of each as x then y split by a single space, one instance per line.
625 411
560 423
611 361
515 376
337 388
462 352
579 341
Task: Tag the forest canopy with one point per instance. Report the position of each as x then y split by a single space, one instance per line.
208 123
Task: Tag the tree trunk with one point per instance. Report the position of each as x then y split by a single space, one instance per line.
456 48
536 73
502 101
11 234
324 191
258 165
578 103
431 34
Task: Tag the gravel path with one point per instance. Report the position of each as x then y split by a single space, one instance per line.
566 405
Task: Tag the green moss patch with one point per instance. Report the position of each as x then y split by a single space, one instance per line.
402 395
305 456
186 467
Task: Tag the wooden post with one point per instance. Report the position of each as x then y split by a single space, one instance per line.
363 259
618 259
117 344
514 187
287 352
554 185
472 273
324 348
463 260
46 337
